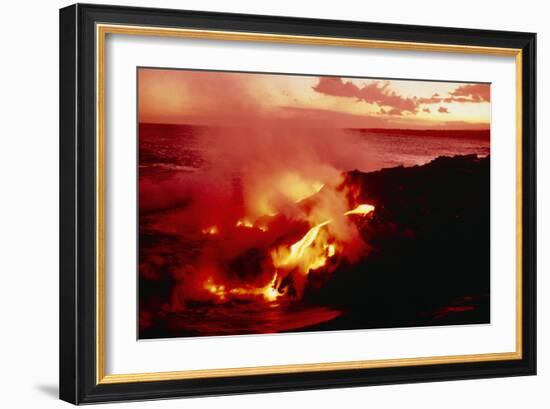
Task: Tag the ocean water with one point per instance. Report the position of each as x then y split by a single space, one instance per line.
168 149
409 149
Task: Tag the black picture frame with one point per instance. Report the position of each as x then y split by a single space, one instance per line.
78 199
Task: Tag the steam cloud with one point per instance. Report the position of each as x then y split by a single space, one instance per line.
254 167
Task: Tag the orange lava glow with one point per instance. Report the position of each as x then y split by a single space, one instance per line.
212 230
311 252
314 249
246 223
269 292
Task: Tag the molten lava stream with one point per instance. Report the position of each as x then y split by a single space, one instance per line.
313 250
309 253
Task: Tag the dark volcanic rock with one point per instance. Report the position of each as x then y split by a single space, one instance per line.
429 259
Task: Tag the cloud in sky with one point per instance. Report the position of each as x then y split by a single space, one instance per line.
391 103
434 99
473 93
376 92
443 110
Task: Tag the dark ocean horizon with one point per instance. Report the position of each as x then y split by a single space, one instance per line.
166 148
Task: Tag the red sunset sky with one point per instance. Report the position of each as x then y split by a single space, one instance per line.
221 98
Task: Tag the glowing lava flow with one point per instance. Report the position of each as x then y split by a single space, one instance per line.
309 253
244 223
269 292
250 225
362 209
313 250
212 230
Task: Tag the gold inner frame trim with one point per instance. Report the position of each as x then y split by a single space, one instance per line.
101 32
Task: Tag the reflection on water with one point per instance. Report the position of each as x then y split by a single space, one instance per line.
246 318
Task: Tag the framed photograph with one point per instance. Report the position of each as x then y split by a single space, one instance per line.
257 203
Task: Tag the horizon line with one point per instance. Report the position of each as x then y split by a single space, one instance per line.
487 128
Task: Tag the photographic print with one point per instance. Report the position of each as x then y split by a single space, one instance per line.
255 204
276 203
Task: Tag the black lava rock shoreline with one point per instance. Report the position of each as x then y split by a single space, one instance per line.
429 257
